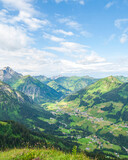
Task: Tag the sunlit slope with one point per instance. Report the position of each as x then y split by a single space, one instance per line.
75 83
58 88
43 154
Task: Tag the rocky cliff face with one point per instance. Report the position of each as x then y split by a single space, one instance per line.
8 75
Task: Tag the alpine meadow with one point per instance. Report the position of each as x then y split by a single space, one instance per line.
63 80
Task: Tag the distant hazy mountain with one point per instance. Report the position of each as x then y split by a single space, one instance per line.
59 88
8 75
37 90
67 85
75 83
43 79
122 78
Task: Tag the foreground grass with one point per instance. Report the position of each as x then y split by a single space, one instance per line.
40 154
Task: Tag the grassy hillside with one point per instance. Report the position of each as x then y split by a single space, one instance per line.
38 154
38 91
58 88
75 83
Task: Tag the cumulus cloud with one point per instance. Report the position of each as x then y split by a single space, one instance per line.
53 38
30 59
78 1
70 48
120 22
75 25
19 5
124 38
70 23
26 14
109 4
31 22
110 38
12 38
63 32
91 59
86 34
47 63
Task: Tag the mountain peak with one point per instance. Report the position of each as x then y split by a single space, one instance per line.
105 84
111 79
7 75
7 68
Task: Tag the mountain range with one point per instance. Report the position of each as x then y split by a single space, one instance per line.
42 89
90 113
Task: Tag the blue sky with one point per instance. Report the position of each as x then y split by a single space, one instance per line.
64 37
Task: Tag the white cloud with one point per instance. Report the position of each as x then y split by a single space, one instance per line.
109 4
19 5
39 62
91 59
70 48
26 14
86 34
70 23
75 25
53 38
32 22
111 37
63 32
124 38
33 60
12 38
82 2
120 22
79 1
58 1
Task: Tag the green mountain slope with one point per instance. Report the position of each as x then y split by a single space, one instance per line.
67 85
75 83
38 91
91 95
98 117
58 88
13 134
16 106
